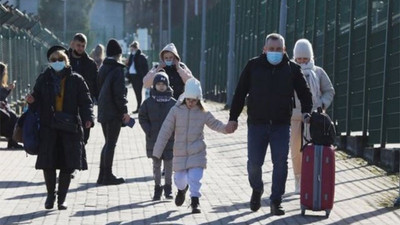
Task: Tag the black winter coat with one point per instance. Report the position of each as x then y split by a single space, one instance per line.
87 68
112 102
151 117
141 65
270 91
59 149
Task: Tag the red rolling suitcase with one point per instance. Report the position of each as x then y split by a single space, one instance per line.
317 179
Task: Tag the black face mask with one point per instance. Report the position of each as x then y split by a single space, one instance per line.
76 53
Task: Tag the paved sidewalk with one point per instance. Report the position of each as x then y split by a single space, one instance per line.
363 194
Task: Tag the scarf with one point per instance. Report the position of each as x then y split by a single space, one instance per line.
161 96
312 80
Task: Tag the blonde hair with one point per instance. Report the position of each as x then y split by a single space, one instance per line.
3 75
60 54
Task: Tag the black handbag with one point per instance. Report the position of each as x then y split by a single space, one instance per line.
65 122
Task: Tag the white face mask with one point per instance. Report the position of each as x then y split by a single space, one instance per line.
58 66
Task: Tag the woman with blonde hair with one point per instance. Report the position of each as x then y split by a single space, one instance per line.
98 55
62 99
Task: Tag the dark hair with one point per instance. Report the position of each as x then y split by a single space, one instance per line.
198 104
134 44
80 37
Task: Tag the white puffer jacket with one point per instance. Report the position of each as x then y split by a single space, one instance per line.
188 124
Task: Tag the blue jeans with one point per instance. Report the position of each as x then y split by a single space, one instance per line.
258 138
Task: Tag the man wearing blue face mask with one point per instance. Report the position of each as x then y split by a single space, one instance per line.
269 81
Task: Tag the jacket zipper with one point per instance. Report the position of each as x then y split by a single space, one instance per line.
187 140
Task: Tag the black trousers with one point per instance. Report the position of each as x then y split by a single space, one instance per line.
111 133
137 84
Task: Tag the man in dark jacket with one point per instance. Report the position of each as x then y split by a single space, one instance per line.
112 109
85 66
137 68
269 82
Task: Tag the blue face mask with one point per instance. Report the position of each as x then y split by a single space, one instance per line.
168 62
274 57
57 66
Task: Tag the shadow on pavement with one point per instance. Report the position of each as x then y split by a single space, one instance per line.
18 219
16 184
115 208
139 179
362 217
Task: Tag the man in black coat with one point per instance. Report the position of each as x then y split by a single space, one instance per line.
84 65
269 81
137 68
112 109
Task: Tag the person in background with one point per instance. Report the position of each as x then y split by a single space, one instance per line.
322 95
60 93
178 73
152 114
112 109
84 65
98 55
137 69
8 118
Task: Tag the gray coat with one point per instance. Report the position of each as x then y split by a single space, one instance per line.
151 117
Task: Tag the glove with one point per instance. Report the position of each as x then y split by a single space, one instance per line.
306 117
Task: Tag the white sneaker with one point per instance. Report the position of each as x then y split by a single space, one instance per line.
297 179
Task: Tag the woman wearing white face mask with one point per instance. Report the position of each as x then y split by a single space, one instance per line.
63 102
322 96
178 73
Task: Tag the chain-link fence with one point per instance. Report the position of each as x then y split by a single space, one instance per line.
357 42
23 45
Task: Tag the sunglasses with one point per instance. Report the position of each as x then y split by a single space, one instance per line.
56 59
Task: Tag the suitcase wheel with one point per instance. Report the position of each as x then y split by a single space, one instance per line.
327 212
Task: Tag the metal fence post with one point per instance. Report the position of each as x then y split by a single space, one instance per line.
203 46
231 54
283 18
365 115
185 12
385 73
349 61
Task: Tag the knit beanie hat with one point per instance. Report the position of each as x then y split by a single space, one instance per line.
56 48
303 49
193 89
161 77
113 48
170 48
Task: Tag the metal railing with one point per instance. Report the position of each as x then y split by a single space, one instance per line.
23 46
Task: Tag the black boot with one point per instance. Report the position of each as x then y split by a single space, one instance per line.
195 205
63 184
111 179
50 180
157 192
101 175
255 201
13 145
168 191
276 209
180 197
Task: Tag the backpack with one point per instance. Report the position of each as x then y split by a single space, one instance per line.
322 129
30 132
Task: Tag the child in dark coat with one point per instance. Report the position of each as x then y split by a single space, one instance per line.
152 113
